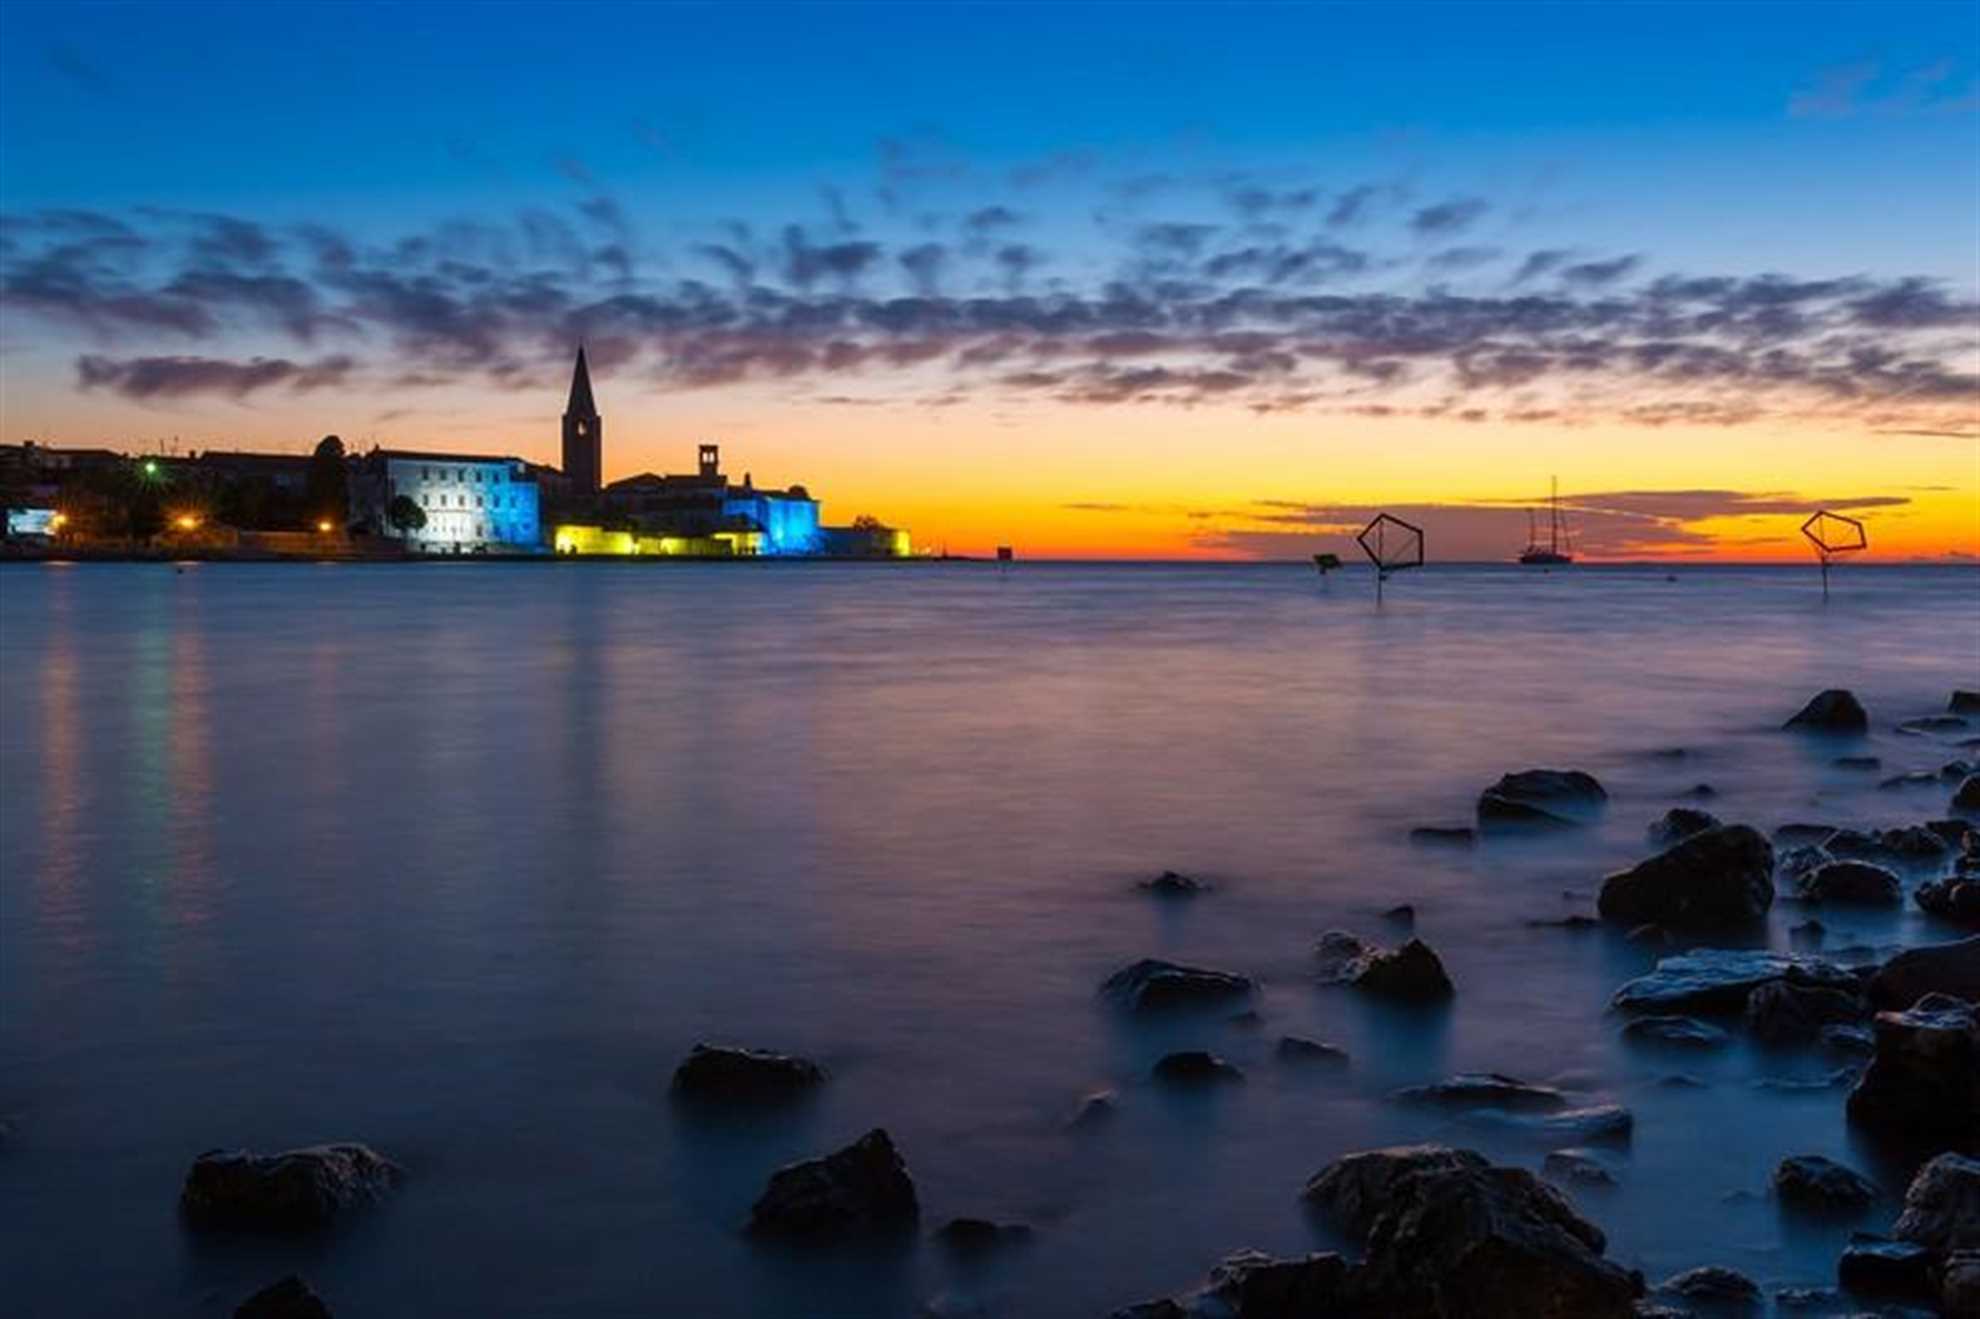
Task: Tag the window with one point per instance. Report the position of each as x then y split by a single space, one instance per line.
477 501
426 473
424 502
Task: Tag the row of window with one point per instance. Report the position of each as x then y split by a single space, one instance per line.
477 474
460 501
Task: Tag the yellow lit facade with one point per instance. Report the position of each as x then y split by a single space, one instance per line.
582 539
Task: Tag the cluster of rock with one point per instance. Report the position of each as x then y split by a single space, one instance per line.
1411 973
1441 1232
1932 1253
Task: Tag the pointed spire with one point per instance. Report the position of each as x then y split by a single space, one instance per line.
581 404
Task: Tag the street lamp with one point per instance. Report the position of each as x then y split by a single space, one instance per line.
324 526
187 522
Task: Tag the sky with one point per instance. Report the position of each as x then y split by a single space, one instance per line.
1162 281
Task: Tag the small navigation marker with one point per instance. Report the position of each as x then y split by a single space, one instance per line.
1832 534
1003 554
1325 563
1392 545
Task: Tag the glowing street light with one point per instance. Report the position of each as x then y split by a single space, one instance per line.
324 526
150 467
55 522
186 522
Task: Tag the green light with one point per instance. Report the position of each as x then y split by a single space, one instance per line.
150 467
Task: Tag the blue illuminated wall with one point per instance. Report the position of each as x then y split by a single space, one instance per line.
790 524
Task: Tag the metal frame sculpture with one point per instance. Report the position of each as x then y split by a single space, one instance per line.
1397 545
1832 534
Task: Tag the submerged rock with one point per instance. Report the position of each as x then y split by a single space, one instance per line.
1428 835
975 1235
1675 1032
1353 1191
1954 898
864 1187
1599 1124
1720 877
1483 1090
1254 1285
1095 1109
1856 882
1787 1011
1964 702
1940 968
291 1298
1578 1167
1811 1182
1678 824
1872 1266
1834 711
1539 799
295 1191
1299 1049
1192 1066
1967 796
1858 762
1171 884
1720 980
1489 1243
1923 1083
1942 1205
713 1071
1712 1285
1152 985
1959 1290
1800 834
1412 973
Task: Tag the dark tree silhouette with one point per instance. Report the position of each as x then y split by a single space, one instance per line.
404 515
328 484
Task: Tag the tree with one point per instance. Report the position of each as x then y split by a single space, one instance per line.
404 515
867 522
328 484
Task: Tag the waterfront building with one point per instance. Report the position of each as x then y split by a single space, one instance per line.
471 503
704 504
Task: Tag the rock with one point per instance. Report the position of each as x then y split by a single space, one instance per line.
1253 1285
1872 1266
1700 792
1404 914
1353 1191
1840 1077
1940 968
1720 980
1787 1011
294 1191
1720 877
1488 1243
1959 1292
1806 1298
1153 985
976 1235
1712 1286
1856 882
1598 1124
1170 884
1808 931
1796 862
1964 702
1954 898
1678 824
1848 1038
1917 778
1834 711
749 1075
291 1298
863 1188
1095 1109
1299 1049
1440 836
1967 796
1923 1083
1915 845
1796 835
1956 834
1857 762
1811 1182
1412 973
1942 1205
1193 1066
1571 921
1577 1167
1932 723
1539 799
1675 1032
1337 951
1483 1090
1160 1309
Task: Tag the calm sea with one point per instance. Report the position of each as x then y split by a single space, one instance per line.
460 860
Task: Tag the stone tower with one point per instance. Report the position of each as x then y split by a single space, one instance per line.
584 433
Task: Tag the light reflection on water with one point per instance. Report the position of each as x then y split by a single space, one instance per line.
459 860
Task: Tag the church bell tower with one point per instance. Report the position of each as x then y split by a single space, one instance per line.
584 433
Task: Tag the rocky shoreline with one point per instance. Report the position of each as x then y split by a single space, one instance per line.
1440 1231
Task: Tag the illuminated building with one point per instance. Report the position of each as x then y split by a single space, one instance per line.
471 503
704 505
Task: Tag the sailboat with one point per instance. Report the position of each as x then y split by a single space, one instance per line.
1557 549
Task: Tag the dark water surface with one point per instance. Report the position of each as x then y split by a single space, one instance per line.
459 860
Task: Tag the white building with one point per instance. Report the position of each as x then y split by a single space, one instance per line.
470 502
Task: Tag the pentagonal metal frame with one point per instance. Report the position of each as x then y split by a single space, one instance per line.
1816 529
1378 554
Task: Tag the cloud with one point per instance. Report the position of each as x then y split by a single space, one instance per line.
1865 88
1448 217
148 378
72 65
